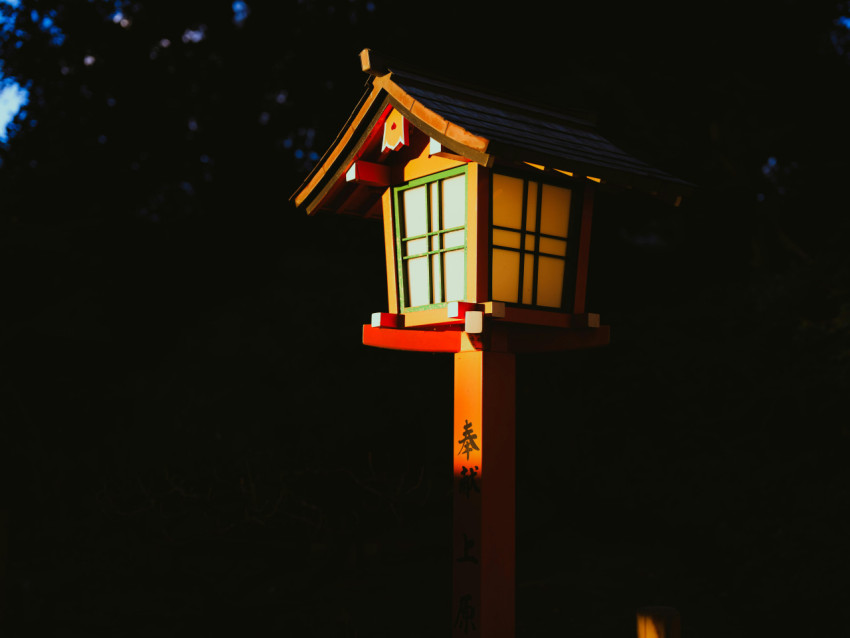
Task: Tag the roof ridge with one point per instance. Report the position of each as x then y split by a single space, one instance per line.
496 98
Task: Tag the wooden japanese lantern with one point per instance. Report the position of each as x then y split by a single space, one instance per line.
487 207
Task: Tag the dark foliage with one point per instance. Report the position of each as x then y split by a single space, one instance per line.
196 441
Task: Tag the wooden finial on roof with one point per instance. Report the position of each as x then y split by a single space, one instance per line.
372 64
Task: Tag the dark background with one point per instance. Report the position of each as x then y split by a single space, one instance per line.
195 440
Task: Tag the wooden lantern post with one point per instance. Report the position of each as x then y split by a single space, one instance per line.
486 205
484 503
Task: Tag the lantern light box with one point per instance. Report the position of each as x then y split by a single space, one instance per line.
487 207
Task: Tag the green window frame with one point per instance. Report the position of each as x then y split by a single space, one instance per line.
430 229
534 225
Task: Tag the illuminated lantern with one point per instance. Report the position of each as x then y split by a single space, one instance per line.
487 206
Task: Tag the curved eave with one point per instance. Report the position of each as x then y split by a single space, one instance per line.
363 122
332 164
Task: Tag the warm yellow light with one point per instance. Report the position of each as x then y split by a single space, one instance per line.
648 629
506 238
658 622
594 179
555 210
537 166
553 246
550 281
505 275
507 201
541 253
567 173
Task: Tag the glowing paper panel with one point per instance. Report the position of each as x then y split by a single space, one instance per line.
506 238
455 276
415 212
416 246
553 246
507 201
550 281
538 243
437 277
505 275
453 239
454 202
432 239
418 281
555 210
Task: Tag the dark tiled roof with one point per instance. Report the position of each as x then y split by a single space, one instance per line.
483 127
525 132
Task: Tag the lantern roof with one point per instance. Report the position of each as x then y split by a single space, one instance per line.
472 124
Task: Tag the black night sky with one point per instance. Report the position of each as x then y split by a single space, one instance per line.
195 440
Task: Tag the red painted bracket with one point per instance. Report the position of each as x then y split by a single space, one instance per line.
415 340
368 173
387 320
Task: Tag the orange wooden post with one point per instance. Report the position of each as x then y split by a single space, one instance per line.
484 560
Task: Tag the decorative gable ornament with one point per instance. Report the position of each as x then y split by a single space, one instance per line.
395 131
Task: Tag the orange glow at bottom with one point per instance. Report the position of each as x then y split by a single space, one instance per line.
658 622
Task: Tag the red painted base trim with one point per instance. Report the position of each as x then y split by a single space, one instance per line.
416 340
519 339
